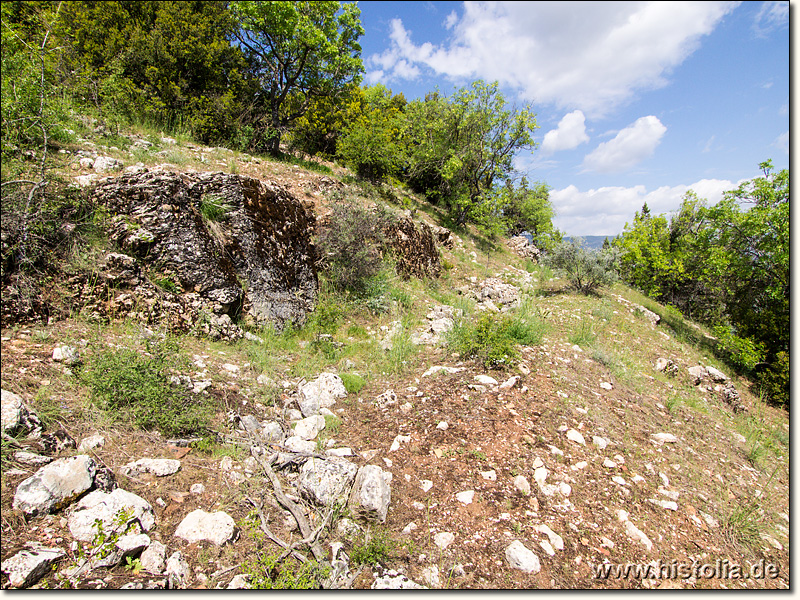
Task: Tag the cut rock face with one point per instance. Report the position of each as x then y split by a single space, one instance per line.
256 258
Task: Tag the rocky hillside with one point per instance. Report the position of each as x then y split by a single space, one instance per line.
160 432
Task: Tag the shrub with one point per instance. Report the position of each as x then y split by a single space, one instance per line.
742 353
774 382
350 247
586 270
352 382
136 387
488 340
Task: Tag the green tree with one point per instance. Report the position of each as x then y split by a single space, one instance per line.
528 209
306 49
585 269
462 146
372 143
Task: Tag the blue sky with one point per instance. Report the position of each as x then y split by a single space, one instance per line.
635 101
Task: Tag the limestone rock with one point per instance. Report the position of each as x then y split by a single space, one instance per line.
15 416
55 485
322 392
28 566
519 557
326 481
160 467
106 506
154 558
392 580
177 571
199 525
371 494
309 428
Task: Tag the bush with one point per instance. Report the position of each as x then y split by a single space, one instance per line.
350 247
774 382
489 341
136 387
743 353
586 270
352 382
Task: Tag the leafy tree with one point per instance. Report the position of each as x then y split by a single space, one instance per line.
462 146
372 144
306 49
528 209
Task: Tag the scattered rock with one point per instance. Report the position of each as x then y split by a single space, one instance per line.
576 436
522 485
371 494
519 557
326 481
15 415
556 540
55 485
105 507
218 527
154 558
392 580
485 380
443 539
439 369
322 392
160 467
91 442
177 571
466 496
664 438
309 428
28 566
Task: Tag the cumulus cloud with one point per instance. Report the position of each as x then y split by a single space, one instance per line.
606 210
570 133
590 56
628 148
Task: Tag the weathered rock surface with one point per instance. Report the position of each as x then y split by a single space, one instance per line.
55 485
160 467
106 506
326 481
519 557
414 247
199 525
371 494
257 258
28 566
322 392
521 246
15 415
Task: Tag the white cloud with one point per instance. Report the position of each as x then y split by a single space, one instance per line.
570 133
782 142
628 148
606 210
586 55
772 16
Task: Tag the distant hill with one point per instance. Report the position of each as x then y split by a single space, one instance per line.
593 242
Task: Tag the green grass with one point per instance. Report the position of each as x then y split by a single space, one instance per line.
584 335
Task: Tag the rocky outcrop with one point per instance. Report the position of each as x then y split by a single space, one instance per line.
240 244
521 246
414 248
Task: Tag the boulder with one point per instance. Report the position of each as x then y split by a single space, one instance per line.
106 507
28 566
371 494
55 485
199 525
326 481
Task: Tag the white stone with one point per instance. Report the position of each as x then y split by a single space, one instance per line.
519 557
556 540
69 355
609 464
371 494
716 375
399 439
160 467
309 428
106 506
600 442
579 465
28 566
634 532
427 484
443 539
431 576
485 380
55 485
326 481
322 392
489 475
442 425
606 386
298 444
522 485
575 436
619 480
104 164
466 496
32 459
154 558
547 547
439 369
665 504
409 528
199 525
11 410
91 442
540 475
664 438
340 452
177 571
509 383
